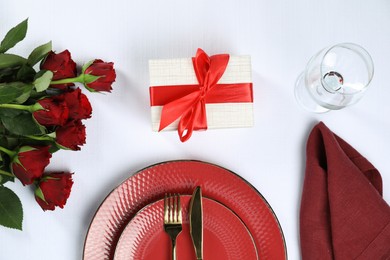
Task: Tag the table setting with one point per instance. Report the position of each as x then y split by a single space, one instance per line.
182 130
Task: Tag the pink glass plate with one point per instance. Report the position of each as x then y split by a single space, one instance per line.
225 237
150 185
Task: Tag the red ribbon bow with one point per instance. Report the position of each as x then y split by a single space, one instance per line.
189 102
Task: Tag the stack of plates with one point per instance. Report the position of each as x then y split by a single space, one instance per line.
238 222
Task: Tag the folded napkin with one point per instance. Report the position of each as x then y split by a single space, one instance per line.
343 214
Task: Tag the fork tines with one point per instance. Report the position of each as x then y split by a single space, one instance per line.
172 219
172 209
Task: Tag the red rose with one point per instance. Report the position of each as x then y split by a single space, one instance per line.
62 66
30 162
53 190
71 135
106 73
54 112
78 104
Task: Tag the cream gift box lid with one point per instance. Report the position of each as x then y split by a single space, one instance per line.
168 72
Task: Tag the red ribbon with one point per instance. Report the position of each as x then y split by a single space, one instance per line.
188 102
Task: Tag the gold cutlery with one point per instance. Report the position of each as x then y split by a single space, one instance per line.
172 219
196 222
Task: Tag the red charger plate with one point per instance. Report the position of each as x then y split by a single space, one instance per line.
151 184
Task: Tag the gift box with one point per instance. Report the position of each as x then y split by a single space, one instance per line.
201 93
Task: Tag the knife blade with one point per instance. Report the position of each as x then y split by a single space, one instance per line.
196 222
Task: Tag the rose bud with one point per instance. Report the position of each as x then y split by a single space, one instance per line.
51 112
62 66
29 162
53 190
78 104
99 75
71 135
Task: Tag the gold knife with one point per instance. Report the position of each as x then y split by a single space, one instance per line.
196 222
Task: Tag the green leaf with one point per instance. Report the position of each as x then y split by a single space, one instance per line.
3 142
13 142
11 210
13 90
25 95
39 53
43 82
11 60
14 36
23 124
9 112
25 74
8 74
5 171
5 179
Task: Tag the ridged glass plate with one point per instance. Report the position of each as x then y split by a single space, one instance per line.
150 185
225 237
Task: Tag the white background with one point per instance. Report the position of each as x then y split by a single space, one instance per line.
280 36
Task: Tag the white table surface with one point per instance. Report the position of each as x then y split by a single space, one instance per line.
279 35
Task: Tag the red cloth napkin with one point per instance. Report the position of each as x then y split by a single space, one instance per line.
343 214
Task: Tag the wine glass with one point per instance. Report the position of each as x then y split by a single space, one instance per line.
334 78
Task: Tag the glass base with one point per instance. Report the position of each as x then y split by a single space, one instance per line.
303 97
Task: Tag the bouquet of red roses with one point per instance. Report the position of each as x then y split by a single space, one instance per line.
41 112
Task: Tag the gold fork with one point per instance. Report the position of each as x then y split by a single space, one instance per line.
172 219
